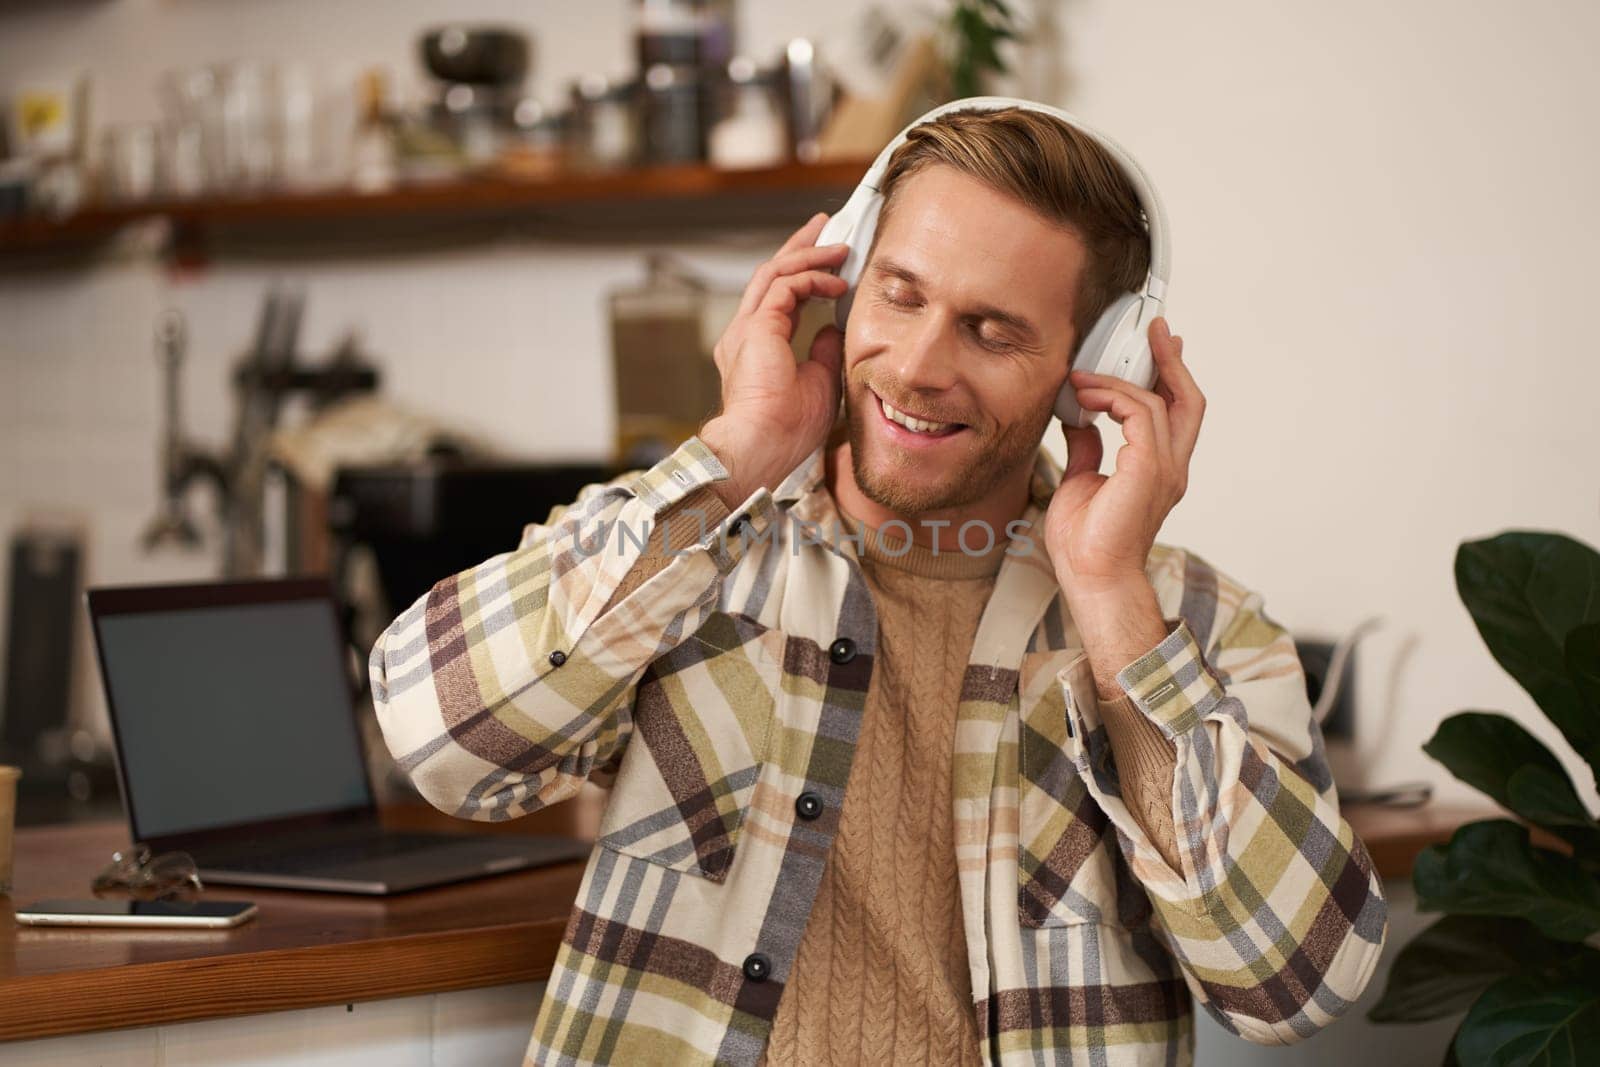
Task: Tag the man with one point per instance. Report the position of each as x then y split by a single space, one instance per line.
887 787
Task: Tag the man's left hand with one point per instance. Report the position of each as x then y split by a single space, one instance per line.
1099 529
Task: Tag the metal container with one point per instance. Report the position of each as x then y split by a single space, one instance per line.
674 107
684 33
476 55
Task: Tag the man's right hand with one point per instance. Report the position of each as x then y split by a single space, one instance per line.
775 412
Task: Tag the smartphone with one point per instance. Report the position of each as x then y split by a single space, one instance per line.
180 914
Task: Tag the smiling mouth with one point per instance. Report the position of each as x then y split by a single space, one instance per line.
912 424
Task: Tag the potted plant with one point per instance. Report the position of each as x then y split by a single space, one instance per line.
1518 948
977 28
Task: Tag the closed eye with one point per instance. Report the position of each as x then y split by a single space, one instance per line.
897 299
990 341
893 296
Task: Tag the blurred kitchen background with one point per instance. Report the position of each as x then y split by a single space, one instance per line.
360 287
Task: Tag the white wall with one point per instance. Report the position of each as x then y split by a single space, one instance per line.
1382 213
1379 215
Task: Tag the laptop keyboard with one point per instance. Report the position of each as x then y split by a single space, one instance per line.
273 857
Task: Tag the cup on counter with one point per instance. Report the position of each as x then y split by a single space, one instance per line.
8 821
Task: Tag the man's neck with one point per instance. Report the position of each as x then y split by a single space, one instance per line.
939 529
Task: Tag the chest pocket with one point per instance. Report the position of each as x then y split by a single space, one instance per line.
1069 866
703 716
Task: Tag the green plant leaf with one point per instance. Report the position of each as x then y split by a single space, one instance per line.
977 27
1489 868
1539 1019
1582 653
1546 798
1484 749
1526 591
1497 755
1444 968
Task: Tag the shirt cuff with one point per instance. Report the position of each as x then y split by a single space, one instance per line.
682 525
690 466
1171 683
701 521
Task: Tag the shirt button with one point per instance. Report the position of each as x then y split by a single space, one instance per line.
808 805
757 967
738 525
557 658
842 651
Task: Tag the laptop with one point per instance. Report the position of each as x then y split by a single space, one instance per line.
237 742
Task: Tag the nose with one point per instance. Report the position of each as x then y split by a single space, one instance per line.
924 359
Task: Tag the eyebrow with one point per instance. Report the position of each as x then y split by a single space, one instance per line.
896 269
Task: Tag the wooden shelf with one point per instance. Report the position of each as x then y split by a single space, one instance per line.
643 202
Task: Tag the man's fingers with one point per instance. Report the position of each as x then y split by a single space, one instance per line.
787 293
1154 406
788 262
827 354
807 234
1188 404
1082 478
774 288
827 348
1138 425
1085 450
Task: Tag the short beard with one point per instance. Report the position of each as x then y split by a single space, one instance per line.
990 462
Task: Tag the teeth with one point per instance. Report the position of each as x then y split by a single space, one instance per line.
910 422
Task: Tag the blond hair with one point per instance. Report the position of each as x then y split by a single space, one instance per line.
1056 169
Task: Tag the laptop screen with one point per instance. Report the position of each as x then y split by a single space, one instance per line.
231 713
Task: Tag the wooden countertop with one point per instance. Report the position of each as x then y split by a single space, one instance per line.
309 949
302 950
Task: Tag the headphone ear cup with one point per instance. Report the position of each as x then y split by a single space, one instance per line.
1100 347
854 224
1130 357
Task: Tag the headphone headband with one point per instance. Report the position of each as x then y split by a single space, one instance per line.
1155 213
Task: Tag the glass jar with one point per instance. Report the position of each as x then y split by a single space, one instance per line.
605 128
752 131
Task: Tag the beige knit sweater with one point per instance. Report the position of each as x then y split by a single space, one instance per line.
881 975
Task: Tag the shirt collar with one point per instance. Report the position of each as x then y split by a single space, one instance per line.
804 481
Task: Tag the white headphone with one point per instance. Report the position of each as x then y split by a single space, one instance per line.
1119 342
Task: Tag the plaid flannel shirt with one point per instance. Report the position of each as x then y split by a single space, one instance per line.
732 682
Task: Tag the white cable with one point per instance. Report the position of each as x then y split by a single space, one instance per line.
1336 664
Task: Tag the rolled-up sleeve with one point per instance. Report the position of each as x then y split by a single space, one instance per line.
501 689
1276 914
